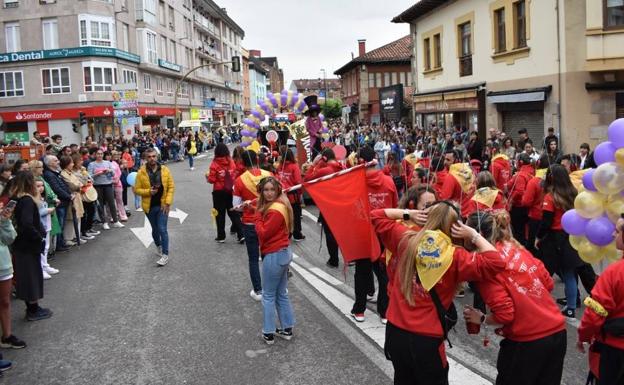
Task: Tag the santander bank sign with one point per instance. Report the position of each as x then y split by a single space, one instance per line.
33 116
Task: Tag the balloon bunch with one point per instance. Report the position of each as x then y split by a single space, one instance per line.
325 129
265 107
598 206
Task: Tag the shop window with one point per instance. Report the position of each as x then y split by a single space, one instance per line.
11 84
55 81
427 53
501 36
619 105
613 13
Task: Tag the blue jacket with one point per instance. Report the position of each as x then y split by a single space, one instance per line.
58 185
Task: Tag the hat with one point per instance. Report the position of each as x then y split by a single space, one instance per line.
312 103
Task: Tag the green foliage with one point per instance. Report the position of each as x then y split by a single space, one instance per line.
332 108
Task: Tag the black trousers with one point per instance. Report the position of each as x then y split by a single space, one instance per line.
332 245
106 196
611 366
222 201
124 195
416 359
538 362
297 217
365 285
530 245
86 222
519 219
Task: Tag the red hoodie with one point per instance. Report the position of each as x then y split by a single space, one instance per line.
248 193
382 193
608 293
452 191
322 169
500 203
517 184
290 175
240 168
533 198
272 232
519 297
440 177
501 170
219 168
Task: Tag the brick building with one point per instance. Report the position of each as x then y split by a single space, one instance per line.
317 87
269 64
364 76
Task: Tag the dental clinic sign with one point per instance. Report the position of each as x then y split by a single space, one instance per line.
50 54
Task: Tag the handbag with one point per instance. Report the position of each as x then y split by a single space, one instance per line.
89 193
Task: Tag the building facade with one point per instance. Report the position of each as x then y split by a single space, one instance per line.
70 56
258 81
270 64
363 77
246 87
514 64
319 87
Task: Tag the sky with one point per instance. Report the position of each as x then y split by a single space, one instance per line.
307 36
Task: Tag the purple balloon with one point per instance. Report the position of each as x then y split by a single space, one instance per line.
257 114
301 107
615 133
283 99
271 97
321 117
600 230
588 182
294 100
245 133
604 153
248 122
245 144
573 223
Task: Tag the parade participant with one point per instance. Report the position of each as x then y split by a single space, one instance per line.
408 163
274 224
603 320
500 167
221 175
313 124
237 157
323 165
533 198
486 197
557 253
155 186
440 173
422 293
534 347
459 185
516 188
246 189
289 175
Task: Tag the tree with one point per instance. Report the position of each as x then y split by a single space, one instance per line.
332 108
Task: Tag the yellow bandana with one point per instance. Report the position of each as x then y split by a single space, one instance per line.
251 181
280 208
435 255
596 307
463 175
498 156
486 196
541 173
411 159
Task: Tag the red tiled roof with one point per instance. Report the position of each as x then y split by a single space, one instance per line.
399 51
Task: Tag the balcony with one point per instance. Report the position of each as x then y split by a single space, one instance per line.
465 65
205 25
206 52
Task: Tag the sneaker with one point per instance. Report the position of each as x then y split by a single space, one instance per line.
358 317
460 294
12 342
39 314
372 298
564 302
163 260
118 225
93 233
268 338
192 168
256 296
159 251
81 241
570 313
300 238
46 276
105 226
241 240
50 270
87 237
70 243
331 264
384 321
286 334
219 240
139 209
5 365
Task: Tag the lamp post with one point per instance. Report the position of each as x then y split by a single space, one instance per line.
325 84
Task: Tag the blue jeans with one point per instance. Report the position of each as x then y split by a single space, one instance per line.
61 214
190 159
253 252
571 286
137 201
274 293
158 221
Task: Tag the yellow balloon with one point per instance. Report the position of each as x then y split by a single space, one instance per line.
278 100
589 204
615 207
575 241
589 252
610 252
619 157
609 178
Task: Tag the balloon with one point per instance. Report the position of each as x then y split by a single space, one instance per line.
131 178
244 132
604 152
615 132
589 204
265 105
592 255
588 182
619 157
293 100
272 101
321 117
258 114
573 223
575 241
283 98
609 178
614 207
245 144
600 231
610 252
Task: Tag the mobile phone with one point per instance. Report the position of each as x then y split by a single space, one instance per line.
10 206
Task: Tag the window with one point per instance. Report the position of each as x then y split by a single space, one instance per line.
11 84
183 90
187 27
371 80
149 11
125 34
378 80
171 19
163 48
189 57
170 87
147 84
97 31
465 49
614 13
386 79
50 33
402 78
409 79
11 3
437 50
150 47
500 37
162 16
173 57
520 26
394 78
100 78
55 81
12 34
427 53
129 76
159 86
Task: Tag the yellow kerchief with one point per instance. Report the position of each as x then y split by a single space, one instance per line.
435 255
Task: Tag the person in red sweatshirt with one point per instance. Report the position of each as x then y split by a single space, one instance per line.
486 197
416 325
245 189
500 167
459 185
532 198
439 172
516 187
289 175
323 165
274 223
237 157
522 309
221 175
602 324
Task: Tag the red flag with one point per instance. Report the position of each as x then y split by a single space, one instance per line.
343 201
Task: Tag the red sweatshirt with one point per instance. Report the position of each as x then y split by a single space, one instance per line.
533 198
501 171
422 318
609 293
272 231
517 184
218 169
549 205
290 175
441 177
323 169
452 191
472 206
382 192
240 168
519 297
247 193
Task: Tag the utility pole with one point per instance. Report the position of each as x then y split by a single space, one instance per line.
325 84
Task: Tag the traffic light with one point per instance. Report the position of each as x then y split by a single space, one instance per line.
82 119
236 64
355 108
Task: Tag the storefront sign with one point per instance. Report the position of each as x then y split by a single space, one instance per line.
21 137
156 111
201 114
62 53
125 99
465 104
63 113
168 65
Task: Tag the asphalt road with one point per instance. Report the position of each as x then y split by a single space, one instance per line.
120 319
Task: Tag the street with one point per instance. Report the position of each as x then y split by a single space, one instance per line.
120 319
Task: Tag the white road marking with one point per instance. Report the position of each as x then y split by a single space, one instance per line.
573 322
308 214
326 277
145 233
372 327
177 213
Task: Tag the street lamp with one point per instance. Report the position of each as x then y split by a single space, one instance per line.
325 84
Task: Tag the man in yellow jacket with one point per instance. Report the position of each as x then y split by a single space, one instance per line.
154 184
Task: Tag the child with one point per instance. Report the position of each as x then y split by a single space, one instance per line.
45 215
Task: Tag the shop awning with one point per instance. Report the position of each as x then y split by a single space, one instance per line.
519 96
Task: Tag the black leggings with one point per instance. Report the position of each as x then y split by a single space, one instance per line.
106 196
332 245
365 285
297 217
222 201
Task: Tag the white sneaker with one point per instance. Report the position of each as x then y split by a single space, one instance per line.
70 243
255 296
118 225
163 260
105 226
139 209
82 241
384 321
192 168
50 270
46 275
93 233
87 237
